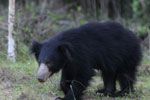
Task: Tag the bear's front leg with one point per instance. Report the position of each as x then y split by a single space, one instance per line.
74 91
65 82
74 83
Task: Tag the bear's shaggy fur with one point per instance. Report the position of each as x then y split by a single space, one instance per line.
107 46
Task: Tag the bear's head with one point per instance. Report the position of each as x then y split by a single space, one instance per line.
51 56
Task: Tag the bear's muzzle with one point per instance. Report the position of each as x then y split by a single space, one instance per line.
43 73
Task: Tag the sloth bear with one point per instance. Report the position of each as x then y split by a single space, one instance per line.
107 46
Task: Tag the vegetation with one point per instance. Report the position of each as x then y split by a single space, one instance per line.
18 81
41 19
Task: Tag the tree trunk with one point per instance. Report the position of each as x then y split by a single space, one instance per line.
11 42
117 10
104 7
149 45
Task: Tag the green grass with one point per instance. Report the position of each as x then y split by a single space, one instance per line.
24 85
23 79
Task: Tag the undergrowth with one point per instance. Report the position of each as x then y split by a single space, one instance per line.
23 84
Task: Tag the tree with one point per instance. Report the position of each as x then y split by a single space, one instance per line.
11 41
149 44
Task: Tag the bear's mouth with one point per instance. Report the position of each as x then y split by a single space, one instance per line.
43 73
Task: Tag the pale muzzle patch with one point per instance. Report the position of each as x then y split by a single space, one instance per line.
43 73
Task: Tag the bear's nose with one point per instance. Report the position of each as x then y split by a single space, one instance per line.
43 73
41 80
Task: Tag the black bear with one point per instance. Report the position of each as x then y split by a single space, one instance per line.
107 46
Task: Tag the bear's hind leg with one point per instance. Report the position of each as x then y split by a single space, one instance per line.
109 80
126 84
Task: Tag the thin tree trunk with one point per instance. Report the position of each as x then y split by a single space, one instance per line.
11 42
116 6
94 8
149 41
104 7
43 6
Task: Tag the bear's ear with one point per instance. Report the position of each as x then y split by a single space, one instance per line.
35 48
65 49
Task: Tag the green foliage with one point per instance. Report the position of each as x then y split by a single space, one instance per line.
143 30
31 23
79 8
141 9
23 52
136 7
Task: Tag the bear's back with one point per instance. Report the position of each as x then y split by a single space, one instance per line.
95 33
101 43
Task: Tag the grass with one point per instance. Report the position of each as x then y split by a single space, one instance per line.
22 76
18 81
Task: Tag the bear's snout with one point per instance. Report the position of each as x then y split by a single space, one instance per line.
43 73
